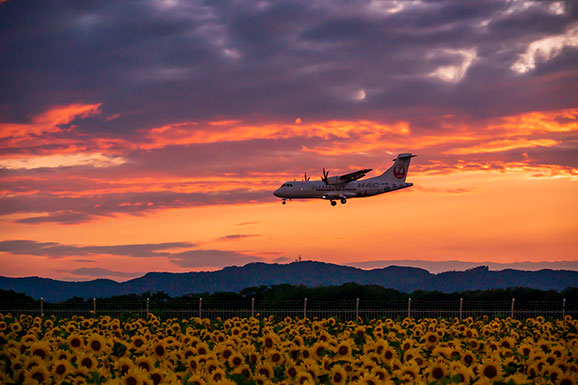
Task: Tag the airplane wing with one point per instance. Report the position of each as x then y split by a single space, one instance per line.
353 176
343 179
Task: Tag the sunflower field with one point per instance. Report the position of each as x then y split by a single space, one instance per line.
138 351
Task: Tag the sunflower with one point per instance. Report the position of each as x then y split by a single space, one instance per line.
567 379
138 342
235 360
337 375
40 349
343 351
406 373
389 353
37 375
468 358
74 342
243 370
159 349
264 369
135 376
320 348
304 378
192 364
202 349
217 375
369 379
436 371
291 370
87 361
144 363
61 369
96 343
431 339
123 365
490 369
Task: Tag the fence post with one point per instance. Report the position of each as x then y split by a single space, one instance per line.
305 308
512 309
564 308
409 307
148 305
461 308
41 306
356 309
200 306
94 305
252 307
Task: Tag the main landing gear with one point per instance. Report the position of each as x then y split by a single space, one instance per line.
343 201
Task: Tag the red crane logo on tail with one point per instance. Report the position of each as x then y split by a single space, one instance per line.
399 171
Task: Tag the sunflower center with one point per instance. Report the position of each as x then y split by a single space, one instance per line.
337 377
468 359
388 355
292 372
95 345
236 361
131 381
264 372
86 362
40 353
159 350
60 369
490 371
75 342
38 376
437 373
432 338
138 343
343 350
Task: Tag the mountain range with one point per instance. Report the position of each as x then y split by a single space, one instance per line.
306 273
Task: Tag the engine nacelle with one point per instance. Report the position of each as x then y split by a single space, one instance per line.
334 180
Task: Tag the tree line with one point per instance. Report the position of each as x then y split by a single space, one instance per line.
289 294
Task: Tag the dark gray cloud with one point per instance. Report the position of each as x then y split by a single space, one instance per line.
57 250
212 258
193 257
97 272
155 63
232 237
70 210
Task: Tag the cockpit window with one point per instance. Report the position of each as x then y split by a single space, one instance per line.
287 185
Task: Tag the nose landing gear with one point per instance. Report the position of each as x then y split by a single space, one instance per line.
284 201
333 203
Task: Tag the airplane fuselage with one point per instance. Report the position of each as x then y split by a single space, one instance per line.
319 189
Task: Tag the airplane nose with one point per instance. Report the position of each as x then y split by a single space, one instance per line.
276 193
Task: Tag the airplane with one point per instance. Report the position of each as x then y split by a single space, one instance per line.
341 188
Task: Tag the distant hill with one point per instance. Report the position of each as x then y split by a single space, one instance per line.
306 273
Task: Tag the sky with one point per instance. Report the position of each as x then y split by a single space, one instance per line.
148 135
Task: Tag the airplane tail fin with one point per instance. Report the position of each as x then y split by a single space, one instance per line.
398 171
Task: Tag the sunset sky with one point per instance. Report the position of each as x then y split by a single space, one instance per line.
141 136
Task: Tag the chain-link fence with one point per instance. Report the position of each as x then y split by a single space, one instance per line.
345 310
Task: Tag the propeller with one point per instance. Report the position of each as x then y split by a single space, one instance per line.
325 175
305 178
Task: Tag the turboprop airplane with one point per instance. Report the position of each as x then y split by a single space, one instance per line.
341 188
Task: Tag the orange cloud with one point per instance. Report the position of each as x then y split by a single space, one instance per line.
193 133
503 145
50 120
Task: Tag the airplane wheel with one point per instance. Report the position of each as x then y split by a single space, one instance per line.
343 201
284 202
333 203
